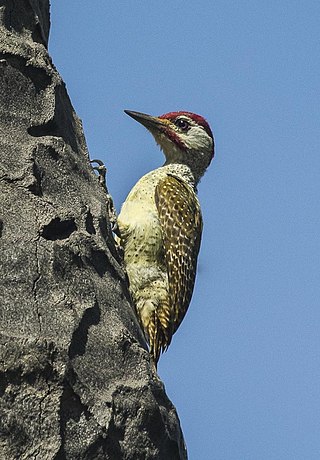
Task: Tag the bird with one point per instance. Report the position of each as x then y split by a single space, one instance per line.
160 225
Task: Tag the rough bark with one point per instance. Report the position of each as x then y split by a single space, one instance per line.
75 377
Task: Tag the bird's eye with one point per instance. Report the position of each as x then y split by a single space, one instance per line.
182 124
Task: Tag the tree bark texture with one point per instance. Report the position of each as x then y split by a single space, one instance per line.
75 376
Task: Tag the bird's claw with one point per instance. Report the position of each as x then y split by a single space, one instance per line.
102 171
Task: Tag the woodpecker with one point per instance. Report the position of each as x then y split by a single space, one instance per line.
160 225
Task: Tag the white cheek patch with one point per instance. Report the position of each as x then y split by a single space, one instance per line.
197 139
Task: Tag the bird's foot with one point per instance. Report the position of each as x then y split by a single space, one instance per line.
102 172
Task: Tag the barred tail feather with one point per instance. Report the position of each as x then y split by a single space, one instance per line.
157 341
156 320
161 331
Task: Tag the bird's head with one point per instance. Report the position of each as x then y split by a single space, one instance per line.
184 137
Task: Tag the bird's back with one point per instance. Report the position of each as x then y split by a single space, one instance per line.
157 249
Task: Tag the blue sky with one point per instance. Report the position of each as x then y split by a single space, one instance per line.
244 368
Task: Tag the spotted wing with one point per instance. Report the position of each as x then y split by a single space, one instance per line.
181 223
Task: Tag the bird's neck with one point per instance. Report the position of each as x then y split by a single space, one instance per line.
182 171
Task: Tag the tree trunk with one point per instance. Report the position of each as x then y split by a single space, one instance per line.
75 376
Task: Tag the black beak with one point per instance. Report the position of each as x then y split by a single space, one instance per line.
150 122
